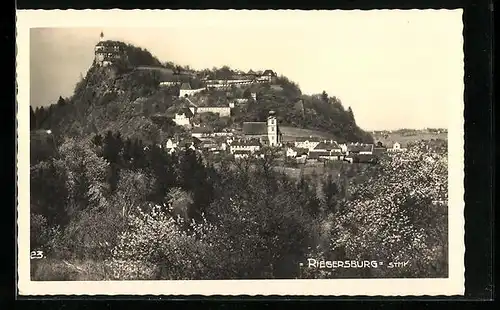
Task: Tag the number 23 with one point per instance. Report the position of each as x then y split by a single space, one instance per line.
36 254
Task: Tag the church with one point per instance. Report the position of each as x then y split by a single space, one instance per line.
267 133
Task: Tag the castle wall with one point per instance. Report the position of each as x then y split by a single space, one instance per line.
222 111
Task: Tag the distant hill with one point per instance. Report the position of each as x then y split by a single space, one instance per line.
389 138
129 99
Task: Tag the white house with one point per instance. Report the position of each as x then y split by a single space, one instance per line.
168 83
250 145
181 119
201 132
359 148
241 100
170 146
241 154
396 147
296 152
186 90
290 152
307 143
222 111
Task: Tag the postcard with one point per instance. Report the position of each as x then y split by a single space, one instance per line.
240 152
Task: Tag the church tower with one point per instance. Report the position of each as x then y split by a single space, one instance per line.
101 38
272 129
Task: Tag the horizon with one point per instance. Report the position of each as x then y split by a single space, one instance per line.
408 62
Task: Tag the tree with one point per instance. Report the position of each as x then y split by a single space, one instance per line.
61 102
331 191
399 215
32 119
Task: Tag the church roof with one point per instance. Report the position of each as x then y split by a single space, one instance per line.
185 86
255 128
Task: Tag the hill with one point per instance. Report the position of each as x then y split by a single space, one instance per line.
128 98
389 138
289 133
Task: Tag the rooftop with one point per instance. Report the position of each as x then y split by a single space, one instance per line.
309 139
246 142
355 147
327 146
255 128
242 152
301 150
317 154
269 73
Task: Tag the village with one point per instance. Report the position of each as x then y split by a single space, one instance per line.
253 137
249 140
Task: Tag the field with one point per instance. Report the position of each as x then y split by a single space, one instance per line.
289 133
404 139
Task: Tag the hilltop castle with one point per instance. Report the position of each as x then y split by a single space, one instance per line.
108 52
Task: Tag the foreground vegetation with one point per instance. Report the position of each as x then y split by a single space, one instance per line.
120 210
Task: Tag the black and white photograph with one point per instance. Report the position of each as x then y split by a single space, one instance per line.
300 152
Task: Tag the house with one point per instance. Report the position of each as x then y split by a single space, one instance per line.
251 145
290 152
241 100
254 96
186 90
209 145
268 76
316 155
183 117
192 143
241 154
296 152
201 132
327 146
396 147
359 148
169 83
222 111
170 144
328 149
266 132
361 158
306 142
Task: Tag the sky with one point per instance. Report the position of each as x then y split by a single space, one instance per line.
395 69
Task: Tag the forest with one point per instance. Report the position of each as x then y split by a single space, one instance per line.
120 209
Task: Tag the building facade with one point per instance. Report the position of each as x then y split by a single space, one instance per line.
222 111
108 52
186 90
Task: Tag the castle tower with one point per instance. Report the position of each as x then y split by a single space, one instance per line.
272 129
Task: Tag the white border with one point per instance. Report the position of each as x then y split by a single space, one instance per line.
26 19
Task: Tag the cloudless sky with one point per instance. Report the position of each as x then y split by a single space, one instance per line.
395 69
